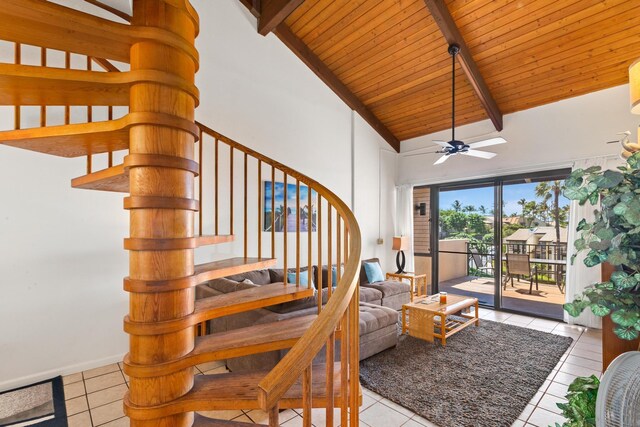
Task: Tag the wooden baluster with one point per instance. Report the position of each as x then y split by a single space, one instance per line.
200 181
330 357
329 253
284 235
259 208
274 417
273 211
354 355
231 190
309 242
43 108
89 120
306 397
17 59
338 248
344 368
246 244
319 234
67 109
110 154
215 191
298 217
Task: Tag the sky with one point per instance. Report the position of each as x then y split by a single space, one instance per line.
484 196
291 195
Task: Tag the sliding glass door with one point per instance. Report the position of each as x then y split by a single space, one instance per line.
467 241
503 241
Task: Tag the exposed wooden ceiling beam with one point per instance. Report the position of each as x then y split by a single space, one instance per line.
274 12
316 65
444 20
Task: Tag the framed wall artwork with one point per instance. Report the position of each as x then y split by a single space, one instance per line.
307 215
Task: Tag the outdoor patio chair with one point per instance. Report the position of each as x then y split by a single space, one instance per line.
520 264
477 260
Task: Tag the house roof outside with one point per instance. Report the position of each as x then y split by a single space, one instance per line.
548 235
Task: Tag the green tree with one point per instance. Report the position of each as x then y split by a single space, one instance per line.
482 209
456 205
523 204
552 190
469 208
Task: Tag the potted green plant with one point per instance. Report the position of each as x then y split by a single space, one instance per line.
580 409
612 237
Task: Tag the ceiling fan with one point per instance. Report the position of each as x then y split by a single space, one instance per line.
454 146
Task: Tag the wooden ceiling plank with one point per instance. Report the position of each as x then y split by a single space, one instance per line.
416 49
329 15
310 15
505 74
431 127
589 18
350 28
451 33
326 75
428 108
274 12
579 40
408 21
442 111
301 11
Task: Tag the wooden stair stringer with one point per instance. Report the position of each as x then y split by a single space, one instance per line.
235 343
238 390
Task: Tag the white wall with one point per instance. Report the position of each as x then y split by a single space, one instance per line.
61 256
542 138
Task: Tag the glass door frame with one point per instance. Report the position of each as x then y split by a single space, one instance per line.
498 183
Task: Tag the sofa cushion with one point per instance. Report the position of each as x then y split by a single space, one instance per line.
370 295
303 280
389 287
259 277
276 275
375 317
225 285
363 273
374 272
325 274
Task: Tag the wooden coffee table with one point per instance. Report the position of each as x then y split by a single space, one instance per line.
427 318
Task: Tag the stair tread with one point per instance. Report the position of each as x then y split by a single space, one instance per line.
227 267
71 140
235 343
202 421
111 179
250 299
239 390
30 22
37 85
254 339
214 239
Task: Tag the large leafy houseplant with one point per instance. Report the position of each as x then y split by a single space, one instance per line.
613 237
580 409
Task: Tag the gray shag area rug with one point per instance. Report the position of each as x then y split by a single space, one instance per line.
484 377
40 404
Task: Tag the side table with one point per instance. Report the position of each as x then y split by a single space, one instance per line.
416 281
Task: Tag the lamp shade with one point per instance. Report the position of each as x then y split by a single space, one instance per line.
634 86
401 243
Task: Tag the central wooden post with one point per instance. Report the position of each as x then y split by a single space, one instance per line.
157 206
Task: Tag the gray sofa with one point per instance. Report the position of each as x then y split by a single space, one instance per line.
378 330
394 293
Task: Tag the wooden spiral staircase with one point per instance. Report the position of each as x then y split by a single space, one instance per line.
163 173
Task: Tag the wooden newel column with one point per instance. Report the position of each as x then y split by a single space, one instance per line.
155 209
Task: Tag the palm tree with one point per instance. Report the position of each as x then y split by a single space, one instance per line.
482 209
469 208
456 205
523 203
548 190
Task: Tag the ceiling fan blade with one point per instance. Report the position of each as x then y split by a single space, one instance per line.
442 159
478 153
488 142
442 143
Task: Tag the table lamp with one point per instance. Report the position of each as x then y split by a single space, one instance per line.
400 244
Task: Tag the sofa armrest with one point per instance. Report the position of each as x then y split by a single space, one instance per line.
204 291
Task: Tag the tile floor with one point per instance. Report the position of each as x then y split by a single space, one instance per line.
94 398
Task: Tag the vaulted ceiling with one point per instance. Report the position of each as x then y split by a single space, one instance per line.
388 58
